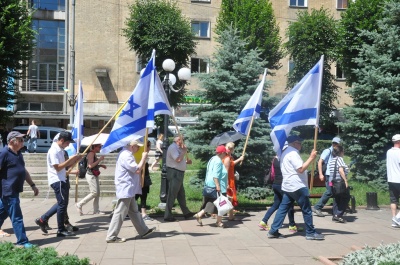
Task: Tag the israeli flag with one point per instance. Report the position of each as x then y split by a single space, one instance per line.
147 100
252 108
77 129
299 107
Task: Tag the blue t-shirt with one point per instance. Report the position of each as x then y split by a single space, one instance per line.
215 169
12 172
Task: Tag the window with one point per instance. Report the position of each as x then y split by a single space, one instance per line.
198 65
94 124
299 3
340 73
57 5
140 64
342 4
201 29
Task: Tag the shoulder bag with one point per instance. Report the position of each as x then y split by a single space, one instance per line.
338 185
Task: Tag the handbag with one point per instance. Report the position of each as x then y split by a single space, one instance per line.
147 181
210 192
338 185
95 172
223 205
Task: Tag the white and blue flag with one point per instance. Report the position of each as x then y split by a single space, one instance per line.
299 107
77 129
252 108
147 100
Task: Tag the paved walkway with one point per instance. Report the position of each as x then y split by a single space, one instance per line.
185 242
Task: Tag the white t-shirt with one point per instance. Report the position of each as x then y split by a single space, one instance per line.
55 156
33 129
291 161
127 181
393 165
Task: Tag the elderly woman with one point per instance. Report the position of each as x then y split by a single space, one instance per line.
229 164
216 177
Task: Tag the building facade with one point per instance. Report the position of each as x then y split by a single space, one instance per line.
108 69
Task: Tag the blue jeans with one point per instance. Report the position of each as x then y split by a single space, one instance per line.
325 197
278 195
302 197
10 206
62 195
32 142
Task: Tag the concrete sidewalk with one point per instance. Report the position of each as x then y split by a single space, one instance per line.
185 242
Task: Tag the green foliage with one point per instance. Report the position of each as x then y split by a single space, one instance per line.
16 45
257 24
360 15
256 193
312 35
381 255
160 25
228 90
374 117
11 255
308 145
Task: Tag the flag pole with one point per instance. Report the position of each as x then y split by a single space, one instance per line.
317 120
247 138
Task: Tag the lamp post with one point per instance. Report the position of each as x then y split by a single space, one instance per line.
170 79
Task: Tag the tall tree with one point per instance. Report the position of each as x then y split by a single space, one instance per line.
227 90
360 15
374 118
160 25
257 24
312 35
16 45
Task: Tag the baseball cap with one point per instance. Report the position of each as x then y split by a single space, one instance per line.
336 140
220 149
14 134
294 138
67 136
396 138
135 142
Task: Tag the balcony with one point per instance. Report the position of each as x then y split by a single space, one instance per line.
41 85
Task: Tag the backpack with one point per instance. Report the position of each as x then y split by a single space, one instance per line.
270 176
325 163
82 167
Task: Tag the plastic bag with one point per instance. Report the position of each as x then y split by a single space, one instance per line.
223 205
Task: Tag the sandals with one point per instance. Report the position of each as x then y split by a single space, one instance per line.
198 219
220 224
79 209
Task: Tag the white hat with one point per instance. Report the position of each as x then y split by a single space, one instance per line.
336 140
396 138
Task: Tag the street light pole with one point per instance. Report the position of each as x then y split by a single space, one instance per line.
184 75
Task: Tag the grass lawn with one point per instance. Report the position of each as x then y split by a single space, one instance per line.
194 196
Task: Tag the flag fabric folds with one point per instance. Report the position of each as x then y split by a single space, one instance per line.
252 108
299 107
77 129
147 100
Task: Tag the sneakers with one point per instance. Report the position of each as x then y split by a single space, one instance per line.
396 220
315 236
318 212
71 228
394 225
147 218
41 224
26 245
275 235
79 209
47 226
100 213
295 228
116 240
151 230
263 226
338 219
64 233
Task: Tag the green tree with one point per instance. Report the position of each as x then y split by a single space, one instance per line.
360 15
16 45
374 117
227 90
160 25
257 24
312 35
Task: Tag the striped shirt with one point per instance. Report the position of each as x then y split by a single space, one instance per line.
340 163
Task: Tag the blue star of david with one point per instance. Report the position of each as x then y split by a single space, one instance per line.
132 106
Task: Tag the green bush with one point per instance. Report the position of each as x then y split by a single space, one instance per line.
256 193
308 145
11 255
381 255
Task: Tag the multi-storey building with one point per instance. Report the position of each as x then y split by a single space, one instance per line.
106 66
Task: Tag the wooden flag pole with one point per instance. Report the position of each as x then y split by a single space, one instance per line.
313 164
247 138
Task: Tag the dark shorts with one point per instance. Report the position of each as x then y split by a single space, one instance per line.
158 154
394 192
